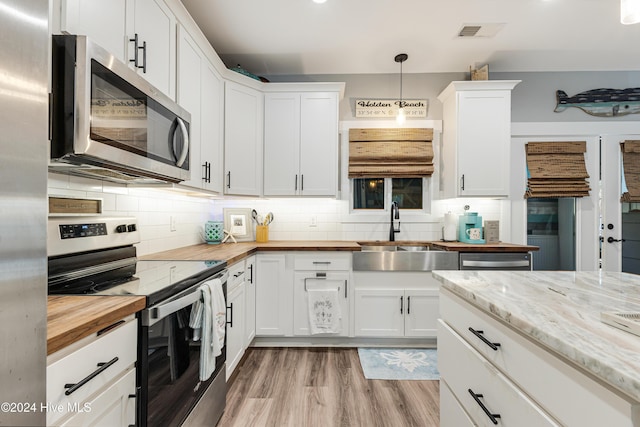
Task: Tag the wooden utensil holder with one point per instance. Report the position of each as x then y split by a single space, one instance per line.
262 233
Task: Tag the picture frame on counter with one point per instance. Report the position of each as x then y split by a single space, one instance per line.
237 221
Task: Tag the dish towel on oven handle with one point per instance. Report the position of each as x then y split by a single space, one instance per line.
324 311
209 321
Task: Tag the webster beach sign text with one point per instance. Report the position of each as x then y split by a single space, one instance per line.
381 108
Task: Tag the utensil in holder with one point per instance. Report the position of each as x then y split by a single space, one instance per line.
262 233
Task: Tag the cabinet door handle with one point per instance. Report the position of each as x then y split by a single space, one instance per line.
409 305
101 368
144 57
476 397
296 183
401 305
462 182
229 179
251 273
134 40
345 289
301 182
230 322
494 345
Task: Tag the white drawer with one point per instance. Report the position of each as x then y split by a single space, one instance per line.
321 261
451 412
112 407
568 394
466 371
236 275
120 343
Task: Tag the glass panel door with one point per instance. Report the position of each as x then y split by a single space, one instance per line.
551 225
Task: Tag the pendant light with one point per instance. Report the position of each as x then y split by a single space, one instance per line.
400 118
629 11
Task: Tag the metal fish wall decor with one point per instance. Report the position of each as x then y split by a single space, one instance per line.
602 102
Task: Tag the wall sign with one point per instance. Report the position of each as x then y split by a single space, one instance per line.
381 108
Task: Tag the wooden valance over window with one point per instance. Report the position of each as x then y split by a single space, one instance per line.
631 166
390 153
556 169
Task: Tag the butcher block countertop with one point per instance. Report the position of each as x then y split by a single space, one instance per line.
233 252
72 317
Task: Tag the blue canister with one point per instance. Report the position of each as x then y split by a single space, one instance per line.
213 232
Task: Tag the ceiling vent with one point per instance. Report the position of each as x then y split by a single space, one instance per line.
480 30
469 30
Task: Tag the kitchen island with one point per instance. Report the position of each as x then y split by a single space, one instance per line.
541 335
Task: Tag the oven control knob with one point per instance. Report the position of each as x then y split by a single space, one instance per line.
131 228
121 228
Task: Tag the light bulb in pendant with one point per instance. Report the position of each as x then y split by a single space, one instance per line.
401 117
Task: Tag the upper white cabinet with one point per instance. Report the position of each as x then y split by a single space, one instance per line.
201 92
141 33
244 118
476 138
301 144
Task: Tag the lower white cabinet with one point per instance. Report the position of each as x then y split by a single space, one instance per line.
396 312
522 381
485 394
332 281
92 382
250 299
235 327
236 315
395 304
274 295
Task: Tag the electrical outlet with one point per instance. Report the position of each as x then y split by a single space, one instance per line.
172 223
314 221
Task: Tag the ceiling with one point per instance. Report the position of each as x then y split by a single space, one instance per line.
293 37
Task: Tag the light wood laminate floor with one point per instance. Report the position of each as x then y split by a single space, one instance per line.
308 387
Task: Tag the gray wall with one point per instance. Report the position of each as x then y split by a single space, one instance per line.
533 100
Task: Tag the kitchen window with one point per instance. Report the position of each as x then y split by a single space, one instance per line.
371 193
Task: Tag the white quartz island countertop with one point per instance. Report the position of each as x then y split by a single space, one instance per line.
561 312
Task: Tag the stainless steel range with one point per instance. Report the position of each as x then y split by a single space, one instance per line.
97 256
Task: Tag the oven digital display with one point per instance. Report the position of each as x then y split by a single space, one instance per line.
73 231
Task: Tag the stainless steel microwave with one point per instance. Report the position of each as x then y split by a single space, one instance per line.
108 122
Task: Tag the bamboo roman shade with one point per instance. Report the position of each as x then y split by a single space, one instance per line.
556 169
390 153
631 166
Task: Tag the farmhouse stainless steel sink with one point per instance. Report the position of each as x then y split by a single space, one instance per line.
403 258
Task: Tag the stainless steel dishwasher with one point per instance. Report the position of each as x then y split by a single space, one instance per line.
495 261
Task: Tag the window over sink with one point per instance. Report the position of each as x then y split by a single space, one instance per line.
377 193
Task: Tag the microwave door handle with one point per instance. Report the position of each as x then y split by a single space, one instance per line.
185 148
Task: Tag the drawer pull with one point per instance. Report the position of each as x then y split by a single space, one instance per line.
476 397
493 345
101 368
322 262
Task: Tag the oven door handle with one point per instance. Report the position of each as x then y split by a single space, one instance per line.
164 309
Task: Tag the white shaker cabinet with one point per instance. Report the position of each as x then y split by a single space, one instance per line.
476 138
201 92
301 144
396 304
93 381
235 320
243 126
274 295
250 300
141 33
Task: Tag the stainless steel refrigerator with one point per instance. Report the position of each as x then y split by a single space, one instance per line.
24 77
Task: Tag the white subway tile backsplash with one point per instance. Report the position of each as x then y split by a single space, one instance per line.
154 208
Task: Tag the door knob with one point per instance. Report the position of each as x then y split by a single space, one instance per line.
612 240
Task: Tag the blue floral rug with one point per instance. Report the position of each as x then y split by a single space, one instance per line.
399 363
